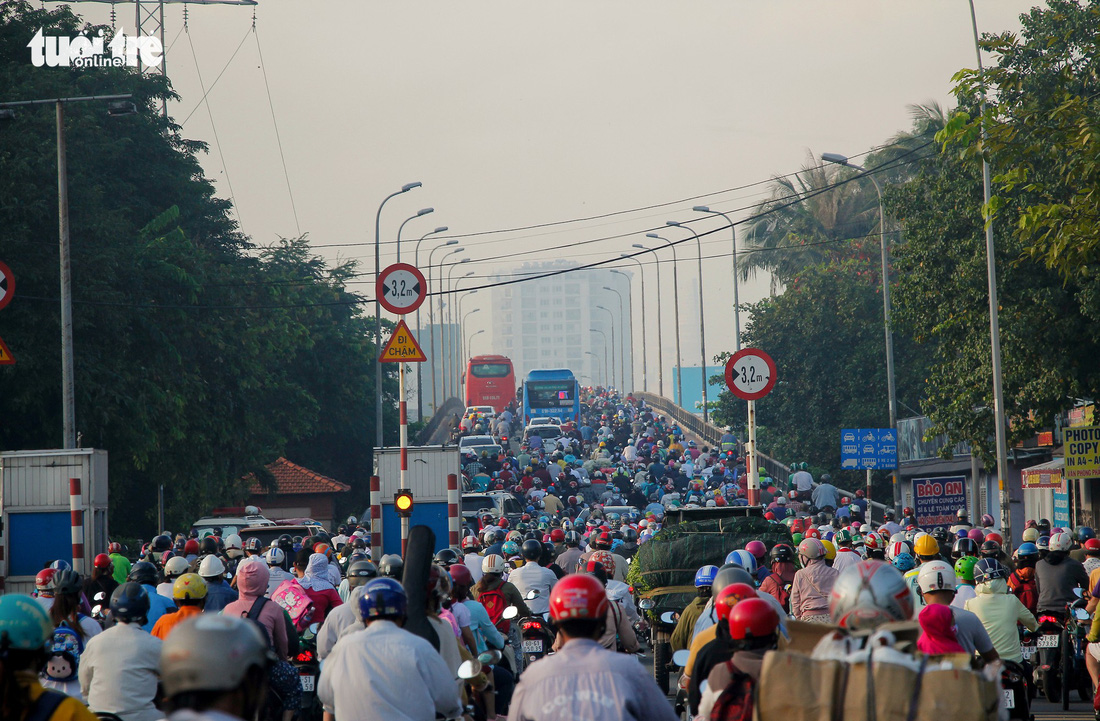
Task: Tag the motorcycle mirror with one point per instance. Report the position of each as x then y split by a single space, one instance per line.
533 593
97 610
668 617
1081 614
510 612
646 604
314 628
469 669
1080 593
489 658
680 658
101 596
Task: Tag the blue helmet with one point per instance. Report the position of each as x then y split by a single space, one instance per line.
989 569
24 624
1043 544
1026 550
130 603
904 562
742 558
383 598
705 576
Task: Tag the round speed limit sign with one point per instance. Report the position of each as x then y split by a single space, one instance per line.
401 288
750 374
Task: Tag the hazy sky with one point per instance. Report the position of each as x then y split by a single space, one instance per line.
521 113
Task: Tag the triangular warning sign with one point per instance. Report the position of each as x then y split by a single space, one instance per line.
6 358
402 347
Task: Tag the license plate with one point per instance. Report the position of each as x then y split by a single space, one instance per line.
1048 641
1027 651
532 646
307 681
1009 697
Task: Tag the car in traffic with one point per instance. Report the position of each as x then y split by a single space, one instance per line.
544 421
229 523
486 411
269 534
549 432
498 503
477 444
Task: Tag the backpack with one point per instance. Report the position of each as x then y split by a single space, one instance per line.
1026 591
495 603
737 700
783 595
295 601
64 649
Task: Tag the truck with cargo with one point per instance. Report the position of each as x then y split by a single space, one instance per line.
37 512
428 468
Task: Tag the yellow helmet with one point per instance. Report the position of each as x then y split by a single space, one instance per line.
1031 535
189 586
830 549
926 545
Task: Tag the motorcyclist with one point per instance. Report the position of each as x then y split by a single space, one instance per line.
311 570
275 559
472 547
252 578
616 687
189 592
685 625
964 572
373 673
937 584
101 581
219 593
711 646
533 577
230 684
173 569
120 667
24 629
752 629
342 618
812 583
778 582
998 610
568 558
1021 581
1057 575
120 562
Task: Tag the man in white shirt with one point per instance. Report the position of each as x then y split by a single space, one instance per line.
384 671
533 577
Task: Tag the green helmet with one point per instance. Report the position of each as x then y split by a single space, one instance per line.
843 537
797 538
964 568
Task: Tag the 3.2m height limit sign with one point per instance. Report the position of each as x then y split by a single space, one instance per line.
750 375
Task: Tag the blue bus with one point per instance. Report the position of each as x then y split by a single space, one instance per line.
551 393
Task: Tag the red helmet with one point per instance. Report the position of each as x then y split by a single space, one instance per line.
872 541
769 516
578 596
191 547
793 495
796 526
101 561
730 596
602 540
719 500
557 535
994 536
470 542
503 522
1092 544
860 493
603 558
907 511
114 547
753 618
461 575
44 580
811 532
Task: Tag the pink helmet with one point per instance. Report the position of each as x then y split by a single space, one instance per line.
976 535
757 549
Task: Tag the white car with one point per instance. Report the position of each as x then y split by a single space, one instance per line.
549 433
487 411
545 422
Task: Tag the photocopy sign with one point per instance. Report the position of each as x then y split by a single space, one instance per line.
1082 451
936 500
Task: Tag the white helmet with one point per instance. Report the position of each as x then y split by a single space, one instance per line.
936 576
868 594
811 548
275 557
1060 542
899 536
233 541
896 548
187 664
176 566
211 566
492 564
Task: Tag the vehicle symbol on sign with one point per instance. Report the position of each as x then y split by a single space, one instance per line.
868 437
849 463
849 436
868 450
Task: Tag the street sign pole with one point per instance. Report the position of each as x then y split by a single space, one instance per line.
754 468
750 375
404 418
868 519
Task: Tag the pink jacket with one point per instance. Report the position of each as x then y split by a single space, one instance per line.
811 588
252 577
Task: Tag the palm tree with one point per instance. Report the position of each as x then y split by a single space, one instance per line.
906 149
812 217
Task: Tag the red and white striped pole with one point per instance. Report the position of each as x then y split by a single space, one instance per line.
375 518
453 515
404 419
76 514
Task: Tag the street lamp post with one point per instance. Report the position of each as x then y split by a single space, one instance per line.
453 350
702 325
890 388
608 371
641 277
419 213
660 339
598 368
378 313
736 309
676 315
117 105
431 319
419 366
463 352
611 323
622 341
442 324
470 339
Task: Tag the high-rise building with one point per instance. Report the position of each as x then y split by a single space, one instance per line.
555 322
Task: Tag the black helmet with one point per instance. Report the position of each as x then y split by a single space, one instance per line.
531 550
253 544
731 573
530 536
342 529
990 549
446 557
207 546
66 581
322 537
964 547
630 535
359 572
144 573
161 543
1044 527
499 535
391 565
781 553
130 603
942 536
988 569
572 539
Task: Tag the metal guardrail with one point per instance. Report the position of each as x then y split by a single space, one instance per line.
445 411
713 434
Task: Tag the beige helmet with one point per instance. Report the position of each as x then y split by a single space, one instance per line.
186 663
176 567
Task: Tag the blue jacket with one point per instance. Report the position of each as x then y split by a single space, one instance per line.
218 596
158 605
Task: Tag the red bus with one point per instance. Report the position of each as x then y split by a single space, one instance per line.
490 381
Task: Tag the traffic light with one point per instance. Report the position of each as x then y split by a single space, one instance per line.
403 503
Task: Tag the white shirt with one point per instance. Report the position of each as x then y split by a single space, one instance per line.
165 589
385 672
119 670
532 576
337 621
845 558
473 562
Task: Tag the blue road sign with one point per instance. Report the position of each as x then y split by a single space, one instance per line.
868 448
